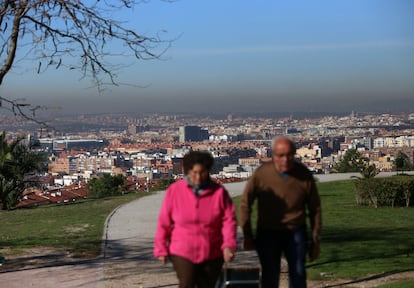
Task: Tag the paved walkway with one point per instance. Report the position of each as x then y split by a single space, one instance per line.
127 259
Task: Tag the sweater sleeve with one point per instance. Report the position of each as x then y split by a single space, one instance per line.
164 227
245 208
229 223
314 208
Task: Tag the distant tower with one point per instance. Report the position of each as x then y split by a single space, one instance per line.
132 129
192 133
368 142
230 117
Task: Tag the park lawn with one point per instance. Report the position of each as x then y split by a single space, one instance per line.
356 241
359 241
76 228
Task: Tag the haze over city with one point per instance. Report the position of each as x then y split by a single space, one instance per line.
240 57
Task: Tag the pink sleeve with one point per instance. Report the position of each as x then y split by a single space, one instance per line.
229 228
164 224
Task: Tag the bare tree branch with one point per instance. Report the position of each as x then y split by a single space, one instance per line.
70 34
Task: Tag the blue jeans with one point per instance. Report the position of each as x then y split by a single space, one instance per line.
270 245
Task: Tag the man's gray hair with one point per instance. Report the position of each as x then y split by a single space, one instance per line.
280 137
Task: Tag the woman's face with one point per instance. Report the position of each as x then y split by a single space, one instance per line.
198 174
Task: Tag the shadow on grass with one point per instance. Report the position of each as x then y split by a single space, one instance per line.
345 234
365 246
131 256
38 261
34 256
119 251
120 259
347 245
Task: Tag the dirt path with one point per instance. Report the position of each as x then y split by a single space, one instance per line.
51 268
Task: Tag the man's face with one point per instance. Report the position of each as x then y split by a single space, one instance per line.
283 155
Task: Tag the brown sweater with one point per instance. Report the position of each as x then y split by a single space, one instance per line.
282 201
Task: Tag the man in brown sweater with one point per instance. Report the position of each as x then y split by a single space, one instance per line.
286 192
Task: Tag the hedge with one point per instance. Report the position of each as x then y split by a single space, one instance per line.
395 191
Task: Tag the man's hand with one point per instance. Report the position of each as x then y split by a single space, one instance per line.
248 244
228 254
163 260
315 249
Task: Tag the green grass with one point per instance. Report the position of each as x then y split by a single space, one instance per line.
76 228
359 241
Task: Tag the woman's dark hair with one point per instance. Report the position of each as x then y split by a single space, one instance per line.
192 158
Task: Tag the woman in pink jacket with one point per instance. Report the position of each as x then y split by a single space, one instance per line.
196 225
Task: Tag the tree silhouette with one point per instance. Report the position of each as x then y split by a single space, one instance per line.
402 162
73 34
352 161
106 186
16 161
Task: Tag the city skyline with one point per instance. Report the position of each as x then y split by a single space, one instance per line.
235 57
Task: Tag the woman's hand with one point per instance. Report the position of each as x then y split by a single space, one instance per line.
228 254
163 260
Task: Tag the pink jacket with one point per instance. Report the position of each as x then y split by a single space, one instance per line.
196 228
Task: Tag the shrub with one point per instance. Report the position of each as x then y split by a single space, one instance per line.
106 186
393 191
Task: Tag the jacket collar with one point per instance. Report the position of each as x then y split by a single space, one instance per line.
198 189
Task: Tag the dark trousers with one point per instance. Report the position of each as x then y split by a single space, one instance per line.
271 244
202 275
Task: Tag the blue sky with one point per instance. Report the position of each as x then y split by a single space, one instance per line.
252 56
